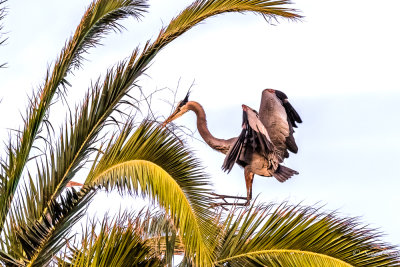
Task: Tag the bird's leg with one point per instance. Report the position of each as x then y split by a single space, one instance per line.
249 176
226 203
218 196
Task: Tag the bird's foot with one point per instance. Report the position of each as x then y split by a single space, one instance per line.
218 196
226 203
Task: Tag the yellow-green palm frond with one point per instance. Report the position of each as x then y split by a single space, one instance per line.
162 235
37 241
163 169
29 224
199 11
76 143
100 17
285 235
203 9
153 163
117 243
105 97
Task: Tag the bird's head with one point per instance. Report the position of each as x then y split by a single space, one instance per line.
181 109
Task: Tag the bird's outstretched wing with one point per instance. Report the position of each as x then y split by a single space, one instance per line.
292 114
279 117
254 137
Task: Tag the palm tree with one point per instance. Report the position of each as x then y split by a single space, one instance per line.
287 235
38 209
259 235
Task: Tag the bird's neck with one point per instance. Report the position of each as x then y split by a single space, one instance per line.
216 143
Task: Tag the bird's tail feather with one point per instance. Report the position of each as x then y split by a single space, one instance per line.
283 173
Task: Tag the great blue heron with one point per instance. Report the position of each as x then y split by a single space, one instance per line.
263 143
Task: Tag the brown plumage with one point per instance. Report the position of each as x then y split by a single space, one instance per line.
262 145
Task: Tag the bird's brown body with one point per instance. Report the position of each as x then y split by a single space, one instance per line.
263 143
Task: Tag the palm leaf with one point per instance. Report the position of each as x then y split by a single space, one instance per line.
42 239
160 232
202 9
197 12
116 243
76 143
105 99
9 260
285 235
152 163
100 17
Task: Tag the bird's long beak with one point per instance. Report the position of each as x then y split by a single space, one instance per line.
172 117
165 123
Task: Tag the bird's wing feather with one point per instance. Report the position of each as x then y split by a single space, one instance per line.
292 118
292 114
234 152
254 136
258 130
290 142
279 118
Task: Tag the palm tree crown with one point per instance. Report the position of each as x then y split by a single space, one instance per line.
38 209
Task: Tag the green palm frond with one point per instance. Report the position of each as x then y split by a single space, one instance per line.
77 141
79 134
197 12
285 235
159 167
106 97
40 240
161 233
154 164
202 9
100 18
8 260
36 219
116 243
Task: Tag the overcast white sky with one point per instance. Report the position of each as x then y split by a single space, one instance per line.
339 67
